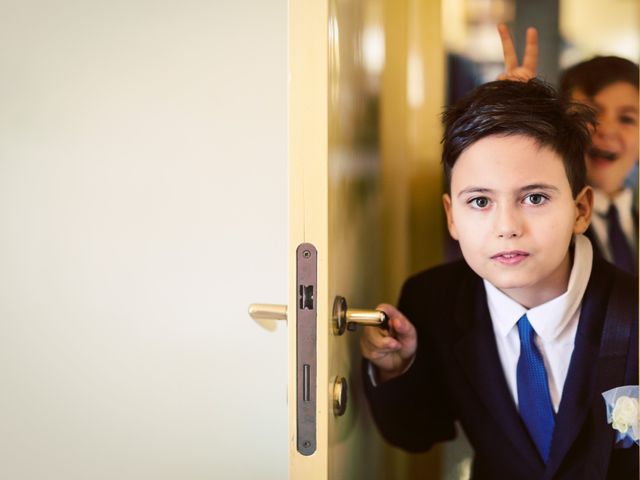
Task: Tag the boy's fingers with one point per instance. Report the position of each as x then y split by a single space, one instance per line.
381 352
530 60
399 327
404 329
375 340
393 314
400 339
389 310
508 50
375 350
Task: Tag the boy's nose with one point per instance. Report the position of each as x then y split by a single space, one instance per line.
508 224
605 127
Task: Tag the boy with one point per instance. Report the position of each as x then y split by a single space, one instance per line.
510 341
610 85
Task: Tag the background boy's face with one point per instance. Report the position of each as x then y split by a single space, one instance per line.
615 140
512 211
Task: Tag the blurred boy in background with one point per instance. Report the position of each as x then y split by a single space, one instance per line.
610 86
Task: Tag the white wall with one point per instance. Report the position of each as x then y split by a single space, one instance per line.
142 208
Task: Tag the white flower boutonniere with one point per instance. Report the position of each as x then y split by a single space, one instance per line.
623 413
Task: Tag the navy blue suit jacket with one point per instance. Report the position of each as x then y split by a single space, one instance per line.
457 376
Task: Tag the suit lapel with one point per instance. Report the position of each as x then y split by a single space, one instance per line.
578 391
595 242
478 356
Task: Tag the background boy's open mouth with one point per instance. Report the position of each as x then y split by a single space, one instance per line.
599 154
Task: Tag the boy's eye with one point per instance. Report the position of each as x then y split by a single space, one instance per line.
479 202
628 120
535 199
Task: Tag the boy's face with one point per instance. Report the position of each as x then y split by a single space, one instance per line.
615 140
512 211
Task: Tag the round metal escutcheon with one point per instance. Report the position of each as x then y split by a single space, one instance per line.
339 396
339 315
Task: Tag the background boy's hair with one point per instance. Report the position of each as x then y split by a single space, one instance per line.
532 109
593 75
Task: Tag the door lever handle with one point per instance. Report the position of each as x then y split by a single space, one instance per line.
349 318
265 314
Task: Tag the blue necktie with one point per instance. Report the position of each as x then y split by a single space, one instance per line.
621 252
534 400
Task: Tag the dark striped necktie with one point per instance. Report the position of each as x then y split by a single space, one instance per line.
621 251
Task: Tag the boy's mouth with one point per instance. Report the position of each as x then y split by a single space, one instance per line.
512 257
602 155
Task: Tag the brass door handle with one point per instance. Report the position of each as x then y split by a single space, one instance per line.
345 318
266 314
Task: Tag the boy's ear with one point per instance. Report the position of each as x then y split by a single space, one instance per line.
584 207
446 201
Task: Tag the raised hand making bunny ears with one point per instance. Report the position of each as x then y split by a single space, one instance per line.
513 70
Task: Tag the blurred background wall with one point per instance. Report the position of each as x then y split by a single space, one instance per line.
142 208
569 31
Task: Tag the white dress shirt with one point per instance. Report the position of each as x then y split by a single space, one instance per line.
554 322
623 202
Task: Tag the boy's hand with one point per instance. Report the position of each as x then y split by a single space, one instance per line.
513 71
390 351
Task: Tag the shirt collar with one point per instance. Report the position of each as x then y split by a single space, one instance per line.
622 201
549 319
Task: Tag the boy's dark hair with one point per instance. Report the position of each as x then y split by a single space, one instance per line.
593 75
532 109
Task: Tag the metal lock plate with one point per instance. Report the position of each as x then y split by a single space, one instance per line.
306 359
